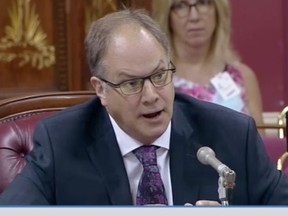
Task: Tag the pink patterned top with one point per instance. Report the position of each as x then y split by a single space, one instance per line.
207 92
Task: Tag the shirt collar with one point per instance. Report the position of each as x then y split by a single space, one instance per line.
127 143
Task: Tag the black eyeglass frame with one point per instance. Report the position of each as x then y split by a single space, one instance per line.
117 85
173 7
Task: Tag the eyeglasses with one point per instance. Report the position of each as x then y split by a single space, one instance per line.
134 86
182 8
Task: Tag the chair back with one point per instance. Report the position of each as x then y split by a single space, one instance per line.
282 163
18 117
282 120
275 147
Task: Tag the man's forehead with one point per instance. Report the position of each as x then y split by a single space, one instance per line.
135 40
130 31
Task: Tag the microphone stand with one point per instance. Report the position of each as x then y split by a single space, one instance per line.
226 184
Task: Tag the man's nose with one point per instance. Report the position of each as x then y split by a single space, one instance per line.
149 91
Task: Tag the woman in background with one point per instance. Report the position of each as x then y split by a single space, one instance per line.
207 66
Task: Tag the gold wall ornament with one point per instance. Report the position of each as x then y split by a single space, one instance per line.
98 8
24 39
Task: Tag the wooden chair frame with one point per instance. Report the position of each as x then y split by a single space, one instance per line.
13 108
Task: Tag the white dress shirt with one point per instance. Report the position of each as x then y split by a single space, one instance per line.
133 166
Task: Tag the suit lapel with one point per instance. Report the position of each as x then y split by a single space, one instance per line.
106 157
183 161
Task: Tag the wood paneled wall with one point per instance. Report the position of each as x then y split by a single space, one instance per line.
41 43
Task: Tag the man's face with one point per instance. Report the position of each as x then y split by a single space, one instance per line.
134 53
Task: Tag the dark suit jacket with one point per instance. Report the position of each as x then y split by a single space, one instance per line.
76 159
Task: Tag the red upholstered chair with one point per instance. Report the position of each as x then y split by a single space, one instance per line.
17 120
282 163
275 147
281 120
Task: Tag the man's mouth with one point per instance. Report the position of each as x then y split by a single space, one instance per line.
152 115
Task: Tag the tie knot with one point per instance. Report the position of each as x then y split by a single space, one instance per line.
146 154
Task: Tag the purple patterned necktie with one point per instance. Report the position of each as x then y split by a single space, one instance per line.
150 189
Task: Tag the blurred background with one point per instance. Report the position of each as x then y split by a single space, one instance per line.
41 45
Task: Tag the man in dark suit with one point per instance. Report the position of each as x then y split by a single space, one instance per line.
86 154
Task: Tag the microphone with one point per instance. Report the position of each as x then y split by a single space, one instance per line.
207 157
227 176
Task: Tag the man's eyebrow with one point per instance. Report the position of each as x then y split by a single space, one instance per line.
124 74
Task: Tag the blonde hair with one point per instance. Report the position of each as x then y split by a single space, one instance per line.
221 47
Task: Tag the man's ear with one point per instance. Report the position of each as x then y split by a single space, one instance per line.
99 88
